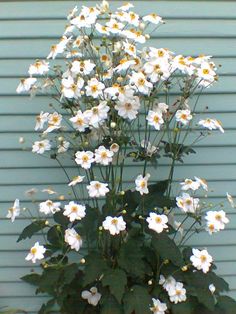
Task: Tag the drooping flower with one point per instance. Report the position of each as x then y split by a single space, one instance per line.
158 307
114 224
114 26
201 259
141 184
103 156
40 120
63 147
40 147
39 68
153 18
202 182
212 288
167 283
211 124
14 211
97 189
92 296
230 200
73 239
76 180
183 116
49 207
74 211
84 159
36 253
149 148
25 85
157 222
97 115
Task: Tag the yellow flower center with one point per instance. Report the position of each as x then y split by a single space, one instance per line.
205 71
203 258
74 209
85 158
158 220
114 221
141 81
33 250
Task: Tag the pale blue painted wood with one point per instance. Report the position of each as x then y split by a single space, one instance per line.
27 30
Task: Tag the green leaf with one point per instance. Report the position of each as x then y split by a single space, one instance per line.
95 266
46 307
110 306
90 225
131 258
116 280
167 249
31 229
61 219
69 273
54 236
137 301
32 279
187 307
49 280
225 305
205 297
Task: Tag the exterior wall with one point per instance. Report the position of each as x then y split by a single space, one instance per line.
27 30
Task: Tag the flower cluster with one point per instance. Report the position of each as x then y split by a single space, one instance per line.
115 107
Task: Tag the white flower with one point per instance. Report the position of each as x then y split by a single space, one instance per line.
36 252
97 115
103 156
148 147
128 108
76 180
202 182
92 296
132 18
84 67
155 119
206 72
217 218
39 67
77 43
212 288
124 64
157 222
162 107
84 159
230 200
49 207
167 283
129 48
73 239
177 293
97 189
187 203
40 120
94 88
86 18
80 121
157 69
189 184
59 48
183 116
54 122
132 34
126 7
211 124
201 260
14 211
102 29
63 147
74 211
114 148
153 18
72 13
158 307
114 26
139 81
40 147
25 85
114 224
71 88
141 184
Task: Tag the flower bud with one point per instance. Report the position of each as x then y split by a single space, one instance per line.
122 192
113 125
184 268
100 228
150 282
147 36
61 197
21 140
166 261
61 138
114 148
142 25
124 211
82 261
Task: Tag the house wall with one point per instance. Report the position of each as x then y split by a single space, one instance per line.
27 30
